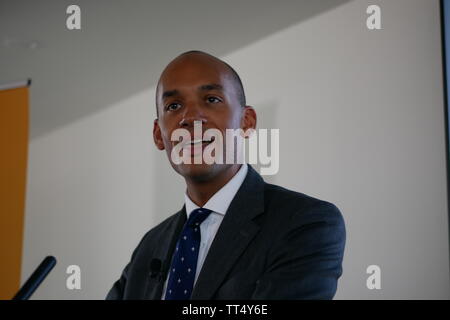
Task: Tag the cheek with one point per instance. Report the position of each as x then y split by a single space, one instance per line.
166 141
236 120
231 119
165 132
165 137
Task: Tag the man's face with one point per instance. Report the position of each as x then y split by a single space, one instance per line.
192 88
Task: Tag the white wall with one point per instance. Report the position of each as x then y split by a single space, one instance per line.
361 121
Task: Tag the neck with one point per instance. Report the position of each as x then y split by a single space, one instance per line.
201 191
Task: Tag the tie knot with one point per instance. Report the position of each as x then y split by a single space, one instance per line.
197 216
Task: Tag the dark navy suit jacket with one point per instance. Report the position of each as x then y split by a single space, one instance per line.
273 243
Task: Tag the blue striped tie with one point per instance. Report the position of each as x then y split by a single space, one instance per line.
184 262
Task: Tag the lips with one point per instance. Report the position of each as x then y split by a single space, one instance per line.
196 146
196 143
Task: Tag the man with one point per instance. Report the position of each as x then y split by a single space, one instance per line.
236 237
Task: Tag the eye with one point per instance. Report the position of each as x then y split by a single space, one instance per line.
213 100
173 106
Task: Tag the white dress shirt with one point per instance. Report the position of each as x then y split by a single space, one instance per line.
218 204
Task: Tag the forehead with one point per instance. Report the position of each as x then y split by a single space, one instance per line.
192 71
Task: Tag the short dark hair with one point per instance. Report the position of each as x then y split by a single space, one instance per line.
234 74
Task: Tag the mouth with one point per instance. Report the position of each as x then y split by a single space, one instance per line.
195 147
196 143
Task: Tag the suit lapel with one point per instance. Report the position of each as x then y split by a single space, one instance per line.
164 252
235 233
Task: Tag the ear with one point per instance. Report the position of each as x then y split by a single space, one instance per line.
157 138
249 118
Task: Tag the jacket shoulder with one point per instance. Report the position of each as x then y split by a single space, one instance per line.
299 206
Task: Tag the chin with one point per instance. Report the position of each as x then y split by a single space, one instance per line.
195 171
199 172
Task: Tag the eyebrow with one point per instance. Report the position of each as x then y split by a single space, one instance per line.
211 86
170 93
205 87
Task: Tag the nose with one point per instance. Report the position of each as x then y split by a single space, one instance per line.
192 113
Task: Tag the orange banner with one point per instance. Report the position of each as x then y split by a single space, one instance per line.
13 167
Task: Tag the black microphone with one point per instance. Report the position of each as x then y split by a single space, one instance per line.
155 268
35 279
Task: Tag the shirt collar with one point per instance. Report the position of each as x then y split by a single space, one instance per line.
221 200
